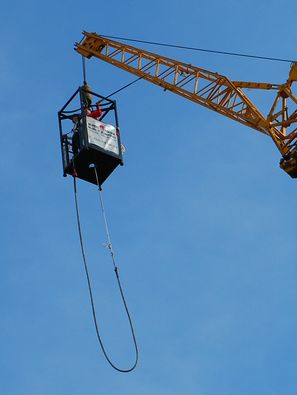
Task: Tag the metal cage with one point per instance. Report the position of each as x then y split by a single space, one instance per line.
87 142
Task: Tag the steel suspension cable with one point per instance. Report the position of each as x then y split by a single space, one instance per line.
201 49
124 87
90 286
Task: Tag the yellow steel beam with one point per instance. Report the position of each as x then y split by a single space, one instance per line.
256 85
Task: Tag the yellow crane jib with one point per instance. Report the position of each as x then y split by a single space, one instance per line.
209 89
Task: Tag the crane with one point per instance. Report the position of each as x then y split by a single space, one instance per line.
209 89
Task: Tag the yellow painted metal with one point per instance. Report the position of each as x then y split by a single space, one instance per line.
256 85
293 73
209 89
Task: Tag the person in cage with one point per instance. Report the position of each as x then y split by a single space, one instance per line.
95 113
75 136
88 110
86 95
87 103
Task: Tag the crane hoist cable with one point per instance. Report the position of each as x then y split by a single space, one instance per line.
83 59
110 248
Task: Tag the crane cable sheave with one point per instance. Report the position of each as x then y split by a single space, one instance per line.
209 89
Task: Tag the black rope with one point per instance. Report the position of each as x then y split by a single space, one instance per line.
202 49
124 87
91 293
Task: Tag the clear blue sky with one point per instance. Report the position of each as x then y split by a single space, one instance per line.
202 219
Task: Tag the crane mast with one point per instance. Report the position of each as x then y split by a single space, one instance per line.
209 89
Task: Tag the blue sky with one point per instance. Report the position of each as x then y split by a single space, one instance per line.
202 219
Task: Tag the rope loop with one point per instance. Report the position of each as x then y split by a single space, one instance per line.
90 286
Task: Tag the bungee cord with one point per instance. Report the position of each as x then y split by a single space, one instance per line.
117 277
